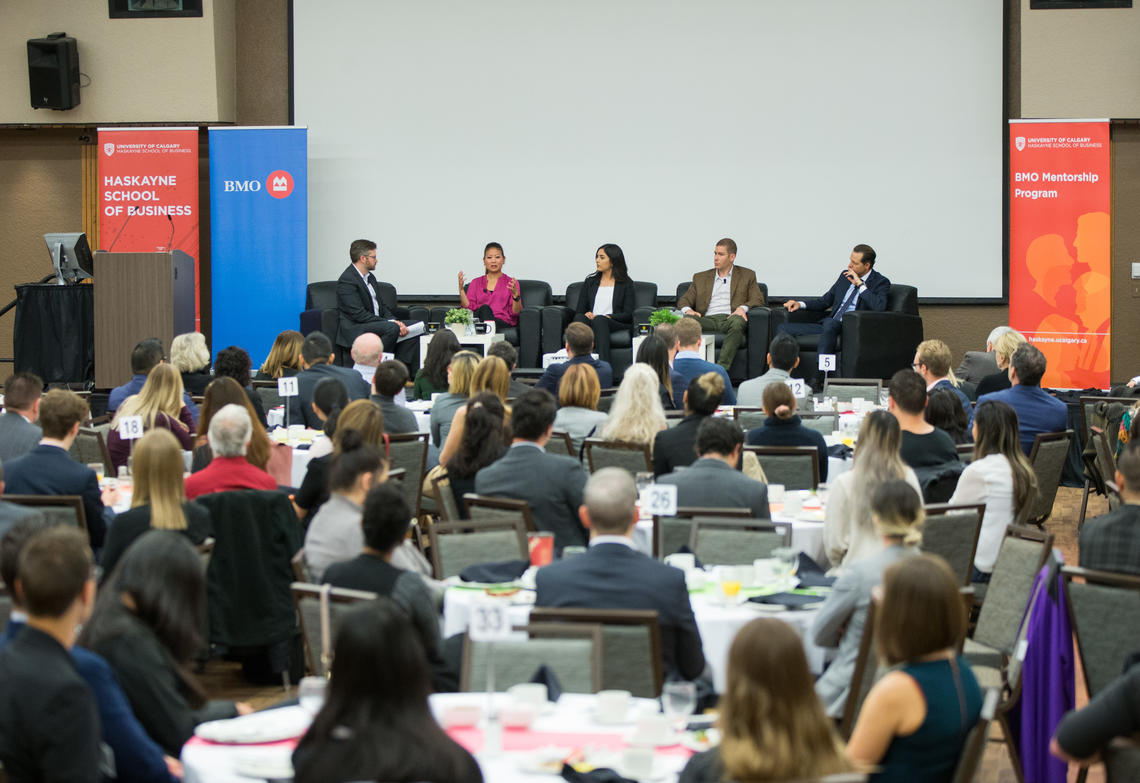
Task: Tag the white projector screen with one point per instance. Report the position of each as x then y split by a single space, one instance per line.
796 127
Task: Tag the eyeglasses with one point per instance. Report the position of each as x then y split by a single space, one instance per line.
373 256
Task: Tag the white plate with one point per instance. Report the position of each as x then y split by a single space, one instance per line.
766 608
631 714
257 728
274 764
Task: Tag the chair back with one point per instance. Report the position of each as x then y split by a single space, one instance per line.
721 541
938 482
90 446
644 295
535 293
952 533
633 457
560 443
631 645
445 499
672 533
1104 608
749 417
1022 553
300 567
824 423
606 399
865 673
1105 457
307 599
409 451
456 545
965 453
5 604
970 758
573 651
206 552
320 295
796 467
847 389
1048 457
902 299
57 509
266 391
495 509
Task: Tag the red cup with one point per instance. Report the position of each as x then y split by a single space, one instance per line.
541 546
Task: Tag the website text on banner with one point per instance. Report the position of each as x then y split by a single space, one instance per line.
1059 235
148 193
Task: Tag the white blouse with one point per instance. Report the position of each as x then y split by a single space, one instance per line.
843 540
990 481
604 301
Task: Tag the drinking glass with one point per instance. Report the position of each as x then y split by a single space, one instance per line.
98 468
679 699
788 561
311 694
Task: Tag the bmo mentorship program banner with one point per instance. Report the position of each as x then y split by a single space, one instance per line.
1059 244
259 235
148 192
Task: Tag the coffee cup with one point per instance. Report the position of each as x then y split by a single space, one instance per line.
775 493
686 561
651 728
613 706
696 579
793 503
768 570
637 763
532 693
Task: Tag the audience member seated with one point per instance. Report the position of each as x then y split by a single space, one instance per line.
137 757
375 723
784 428
13 513
718 299
614 575
668 335
191 357
689 361
362 309
49 470
1037 410
316 356
486 435
923 444
932 361
284 360
916 718
848 534
579 347
491 375
1111 714
493 296
365 418
897 515
713 480
976 365
147 624
329 399
380 532
159 403
944 411
783 357
367 351
443 409
1000 476
230 433
19 432
653 353
158 501
144 357
676 447
1003 351
771 724
507 352
234 362
388 382
1111 542
636 415
334 533
578 415
551 484
220 393
49 722
432 377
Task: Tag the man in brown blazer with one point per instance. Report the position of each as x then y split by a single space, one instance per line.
720 297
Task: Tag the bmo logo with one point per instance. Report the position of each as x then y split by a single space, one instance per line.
279 184
242 186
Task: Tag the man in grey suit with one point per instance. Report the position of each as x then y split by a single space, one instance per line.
11 513
389 380
550 483
713 480
19 433
783 357
978 364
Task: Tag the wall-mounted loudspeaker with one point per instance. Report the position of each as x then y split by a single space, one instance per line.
53 72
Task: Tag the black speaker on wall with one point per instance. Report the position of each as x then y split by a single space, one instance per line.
53 72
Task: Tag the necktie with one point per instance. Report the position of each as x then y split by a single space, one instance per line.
846 302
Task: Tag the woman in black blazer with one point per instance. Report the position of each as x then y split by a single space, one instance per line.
606 301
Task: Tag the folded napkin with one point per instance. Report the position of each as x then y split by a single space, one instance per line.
840 450
546 676
811 573
790 600
602 775
491 573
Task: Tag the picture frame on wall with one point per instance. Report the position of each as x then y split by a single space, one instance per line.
153 9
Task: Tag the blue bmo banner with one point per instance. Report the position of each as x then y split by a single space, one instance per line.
258 235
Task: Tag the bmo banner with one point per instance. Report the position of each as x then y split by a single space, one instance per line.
258 235
1059 245
148 192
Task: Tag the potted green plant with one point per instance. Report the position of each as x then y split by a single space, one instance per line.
459 320
663 316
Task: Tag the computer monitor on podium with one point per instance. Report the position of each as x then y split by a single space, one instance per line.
70 257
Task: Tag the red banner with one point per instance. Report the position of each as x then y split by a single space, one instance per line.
1059 246
148 192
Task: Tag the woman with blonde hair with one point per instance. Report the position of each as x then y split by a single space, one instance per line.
159 499
636 415
191 357
773 727
363 416
459 375
222 392
848 533
1004 347
491 375
783 427
159 403
578 396
284 358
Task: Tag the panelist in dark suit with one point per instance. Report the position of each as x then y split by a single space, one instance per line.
316 353
551 484
859 287
613 575
18 431
720 298
580 346
362 310
606 301
713 481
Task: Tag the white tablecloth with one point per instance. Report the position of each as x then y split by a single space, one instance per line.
276 418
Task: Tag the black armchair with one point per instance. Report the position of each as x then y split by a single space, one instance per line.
321 313
752 358
556 318
871 344
527 336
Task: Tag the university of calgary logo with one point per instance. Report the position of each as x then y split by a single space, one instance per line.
1019 142
109 148
279 184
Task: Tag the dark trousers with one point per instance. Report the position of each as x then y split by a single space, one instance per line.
484 313
828 329
603 326
408 351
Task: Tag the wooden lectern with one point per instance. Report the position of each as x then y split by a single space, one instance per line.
138 295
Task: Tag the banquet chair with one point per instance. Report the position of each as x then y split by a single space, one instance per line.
1105 461
1098 601
266 391
5 604
307 600
1048 456
445 503
633 457
560 443
1103 414
952 533
572 651
824 423
737 541
57 509
847 389
865 673
965 452
796 467
748 417
672 533
496 509
300 567
631 645
409 451
456 545
606 398
974 748
89 447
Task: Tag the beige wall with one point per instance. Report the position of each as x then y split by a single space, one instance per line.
141 70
